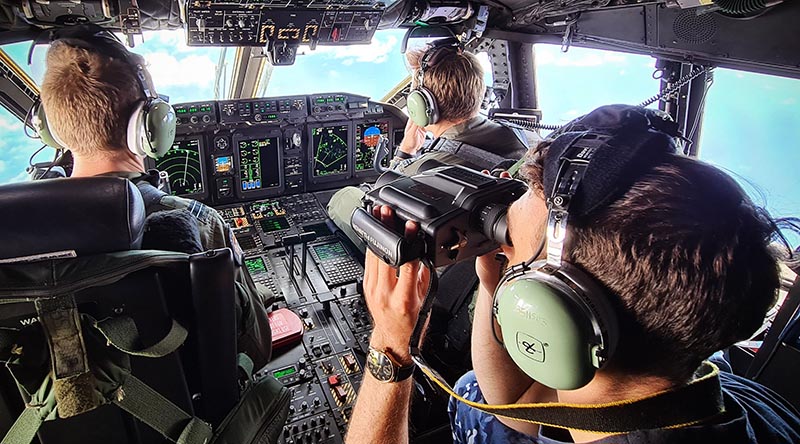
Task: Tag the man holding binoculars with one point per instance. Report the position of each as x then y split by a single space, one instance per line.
629 265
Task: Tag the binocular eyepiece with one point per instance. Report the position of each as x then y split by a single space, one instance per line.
461 213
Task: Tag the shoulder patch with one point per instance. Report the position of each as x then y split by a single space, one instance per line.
200 211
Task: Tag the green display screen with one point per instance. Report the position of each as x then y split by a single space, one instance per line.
284 372
270 225
330 251
181 111
255 265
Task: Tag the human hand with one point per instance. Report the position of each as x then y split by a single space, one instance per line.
413 139
394 300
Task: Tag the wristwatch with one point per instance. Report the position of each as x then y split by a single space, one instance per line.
385 369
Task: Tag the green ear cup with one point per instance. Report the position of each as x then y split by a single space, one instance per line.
159 128
39 122
417 108
547 335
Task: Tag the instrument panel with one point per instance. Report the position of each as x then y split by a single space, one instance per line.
269 165
263 24
242 150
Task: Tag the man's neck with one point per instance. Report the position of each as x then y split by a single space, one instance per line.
606 388
440 127
114 162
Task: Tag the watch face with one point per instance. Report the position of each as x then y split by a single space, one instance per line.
380 366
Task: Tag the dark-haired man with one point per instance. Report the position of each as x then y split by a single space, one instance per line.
684 256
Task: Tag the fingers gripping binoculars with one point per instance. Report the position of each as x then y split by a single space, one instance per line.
461 214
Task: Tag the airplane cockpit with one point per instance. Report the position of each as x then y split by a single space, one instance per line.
275 133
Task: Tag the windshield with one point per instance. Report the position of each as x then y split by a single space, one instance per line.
750 124
187 74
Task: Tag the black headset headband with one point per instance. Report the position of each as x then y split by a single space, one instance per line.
626 141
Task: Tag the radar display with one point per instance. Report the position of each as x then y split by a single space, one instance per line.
368 136
329 150
183 167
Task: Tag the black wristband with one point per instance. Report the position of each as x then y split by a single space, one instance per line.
400 154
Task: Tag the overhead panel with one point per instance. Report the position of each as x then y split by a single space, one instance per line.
230 23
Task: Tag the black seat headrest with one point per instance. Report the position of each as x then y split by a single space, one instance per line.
56 217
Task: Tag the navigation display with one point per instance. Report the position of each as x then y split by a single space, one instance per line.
368 136
329 150
259 166
183 166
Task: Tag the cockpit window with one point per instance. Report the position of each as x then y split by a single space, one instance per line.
369 70
751 128
573 83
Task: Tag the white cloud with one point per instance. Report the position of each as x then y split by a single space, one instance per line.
376 52
174 39
334 74
21 177
789 101
9 124
191 70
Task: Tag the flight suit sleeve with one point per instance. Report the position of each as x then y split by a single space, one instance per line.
340 209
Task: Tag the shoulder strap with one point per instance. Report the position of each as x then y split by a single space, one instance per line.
25 427
158 412
121 332
40 407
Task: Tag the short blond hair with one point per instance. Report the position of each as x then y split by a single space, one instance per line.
456 82
88 98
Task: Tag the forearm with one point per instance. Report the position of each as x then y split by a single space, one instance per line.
381 413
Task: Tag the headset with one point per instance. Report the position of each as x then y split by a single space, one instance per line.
422 107
151 125
557 322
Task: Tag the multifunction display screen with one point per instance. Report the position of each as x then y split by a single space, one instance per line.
255 265
183 167
329 150
368 136
259 166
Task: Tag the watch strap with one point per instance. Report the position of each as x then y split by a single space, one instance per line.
403 373
400 154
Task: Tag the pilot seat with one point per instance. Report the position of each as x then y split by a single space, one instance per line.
129 345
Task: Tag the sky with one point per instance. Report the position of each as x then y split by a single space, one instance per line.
751 125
